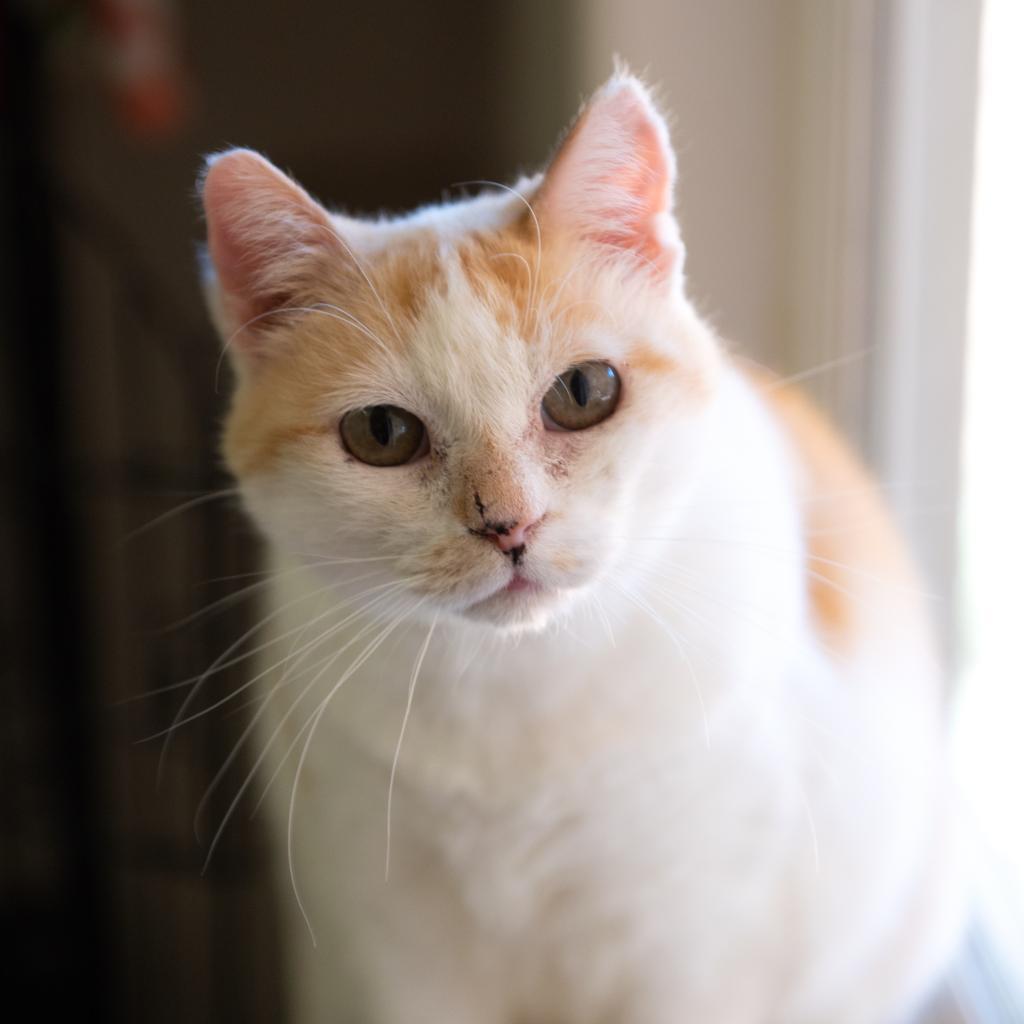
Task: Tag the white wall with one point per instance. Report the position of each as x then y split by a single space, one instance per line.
725 71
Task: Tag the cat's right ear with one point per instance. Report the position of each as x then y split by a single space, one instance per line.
265 235
611 182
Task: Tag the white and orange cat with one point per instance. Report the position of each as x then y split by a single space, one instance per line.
602 687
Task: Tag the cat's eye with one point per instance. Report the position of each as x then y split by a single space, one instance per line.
383 435
582 397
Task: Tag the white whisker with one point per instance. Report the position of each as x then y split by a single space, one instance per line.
369 284
796 556
516 256
812 826
536 228
385 613
203 499
644 606
310 562
268 746
574 305
602 615
220 665
179 722
312 723
351 319
398 745
814 371
347 318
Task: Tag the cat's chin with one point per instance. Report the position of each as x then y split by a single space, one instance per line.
522 606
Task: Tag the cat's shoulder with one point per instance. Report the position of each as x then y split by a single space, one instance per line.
851 542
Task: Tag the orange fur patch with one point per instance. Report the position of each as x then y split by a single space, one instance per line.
502 268
277 402
407 275
649 360
854 554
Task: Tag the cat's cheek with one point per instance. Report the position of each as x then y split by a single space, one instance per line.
575 544
568 569
590 462
565 453
313 487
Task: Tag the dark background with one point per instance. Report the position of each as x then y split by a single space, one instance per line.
109 419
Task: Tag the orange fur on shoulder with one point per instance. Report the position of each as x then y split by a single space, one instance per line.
852 547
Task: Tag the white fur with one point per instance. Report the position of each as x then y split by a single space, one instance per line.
570 845
648 795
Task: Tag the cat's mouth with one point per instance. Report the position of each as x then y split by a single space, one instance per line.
521 602
524 594
519 586
519 583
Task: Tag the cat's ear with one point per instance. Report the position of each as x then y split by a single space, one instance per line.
265 238
611 182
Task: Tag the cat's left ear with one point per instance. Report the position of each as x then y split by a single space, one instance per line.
611 182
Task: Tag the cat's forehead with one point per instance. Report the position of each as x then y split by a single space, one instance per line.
472 325
467 335
431 291
450 221
462 276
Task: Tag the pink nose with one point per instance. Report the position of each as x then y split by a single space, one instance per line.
509 537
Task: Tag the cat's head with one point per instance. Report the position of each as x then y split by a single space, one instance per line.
493 400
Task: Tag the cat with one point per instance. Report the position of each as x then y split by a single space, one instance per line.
601 689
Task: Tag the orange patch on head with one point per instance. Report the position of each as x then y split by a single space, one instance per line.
349 324
501 268
519 281
255 451
406 275
647 359
277 402
650 360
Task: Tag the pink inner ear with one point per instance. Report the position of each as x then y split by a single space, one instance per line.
647 182
262 229
611 183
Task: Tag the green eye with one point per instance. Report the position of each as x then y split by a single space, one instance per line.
582 397
383 435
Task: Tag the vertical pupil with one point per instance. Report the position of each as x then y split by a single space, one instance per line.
579 387
380 425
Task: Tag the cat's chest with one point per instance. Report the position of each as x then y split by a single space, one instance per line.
669 810
522 723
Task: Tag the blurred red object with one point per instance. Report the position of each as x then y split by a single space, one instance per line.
143 59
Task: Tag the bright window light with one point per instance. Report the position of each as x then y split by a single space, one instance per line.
990 716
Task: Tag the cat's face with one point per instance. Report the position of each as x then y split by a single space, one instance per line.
485 403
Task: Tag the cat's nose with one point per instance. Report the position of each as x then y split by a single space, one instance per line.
507 537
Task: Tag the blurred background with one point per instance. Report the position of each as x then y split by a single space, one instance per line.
850 197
